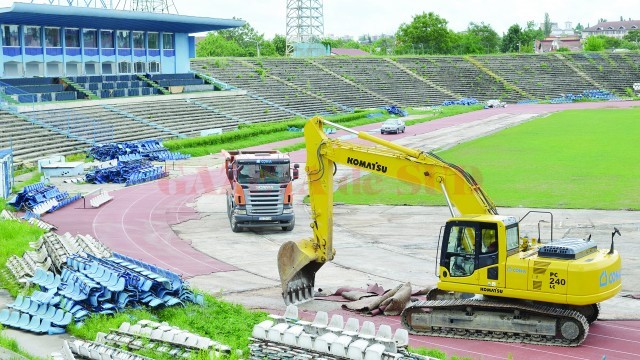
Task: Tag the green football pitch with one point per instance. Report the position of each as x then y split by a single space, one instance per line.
587 159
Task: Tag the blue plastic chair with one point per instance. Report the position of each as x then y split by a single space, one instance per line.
17 302
14 318
4 315
23 323
34 323
26 303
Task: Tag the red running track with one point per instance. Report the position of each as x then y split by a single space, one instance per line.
141 227
138 222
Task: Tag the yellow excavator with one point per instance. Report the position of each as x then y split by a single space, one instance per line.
493 284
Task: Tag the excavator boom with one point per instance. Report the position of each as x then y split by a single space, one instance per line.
299 261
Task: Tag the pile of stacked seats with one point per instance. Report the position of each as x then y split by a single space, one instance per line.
108 86
50 308
39 198
30 217
188 81
29 90
149 149
463 101
130 170
160 338
585 96
80 277
394 110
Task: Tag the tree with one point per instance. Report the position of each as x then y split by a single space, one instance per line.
529 35
487 39
280 44
428 32
384 45
547 25
594 43
511 41
240 41
578 29
633 36
215 44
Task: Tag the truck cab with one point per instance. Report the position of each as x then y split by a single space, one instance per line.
260 192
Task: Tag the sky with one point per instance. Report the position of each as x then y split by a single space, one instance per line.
358 17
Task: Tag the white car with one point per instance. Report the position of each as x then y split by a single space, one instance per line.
395 126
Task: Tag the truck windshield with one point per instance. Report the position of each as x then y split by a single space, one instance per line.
263 173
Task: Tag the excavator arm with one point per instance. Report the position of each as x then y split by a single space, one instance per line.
299 261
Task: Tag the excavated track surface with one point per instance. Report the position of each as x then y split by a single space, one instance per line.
500 308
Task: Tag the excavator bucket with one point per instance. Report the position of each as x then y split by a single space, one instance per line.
297 265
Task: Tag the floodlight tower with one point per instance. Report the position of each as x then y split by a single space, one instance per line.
305 22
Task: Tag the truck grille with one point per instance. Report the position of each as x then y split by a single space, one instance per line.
265 202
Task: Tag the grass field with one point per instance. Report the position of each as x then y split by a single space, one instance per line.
573 159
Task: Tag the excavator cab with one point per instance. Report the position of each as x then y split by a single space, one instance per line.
472 249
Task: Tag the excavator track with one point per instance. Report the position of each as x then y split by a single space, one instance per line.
489 321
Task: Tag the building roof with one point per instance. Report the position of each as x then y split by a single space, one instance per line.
348 52
615 25
95 18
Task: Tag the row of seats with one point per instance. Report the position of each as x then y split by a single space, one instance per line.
35 323
100 200
162 338
287 335
103 78
80 349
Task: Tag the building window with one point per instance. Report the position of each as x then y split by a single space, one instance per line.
124 67
154 67
106 39
90 38
52 37
167 41
138 40
139 67
152 39
10 35
32 36
124 39
72 38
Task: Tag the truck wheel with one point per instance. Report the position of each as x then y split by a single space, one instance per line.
234 225
290 227
229 207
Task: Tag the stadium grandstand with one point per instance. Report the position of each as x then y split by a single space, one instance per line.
113 63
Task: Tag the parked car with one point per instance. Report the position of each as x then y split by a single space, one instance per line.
395 126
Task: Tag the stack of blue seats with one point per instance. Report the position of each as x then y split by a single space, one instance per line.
39 198
394 110
463 101
586 95
148 149
40 313
89 284
528 101
128 171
